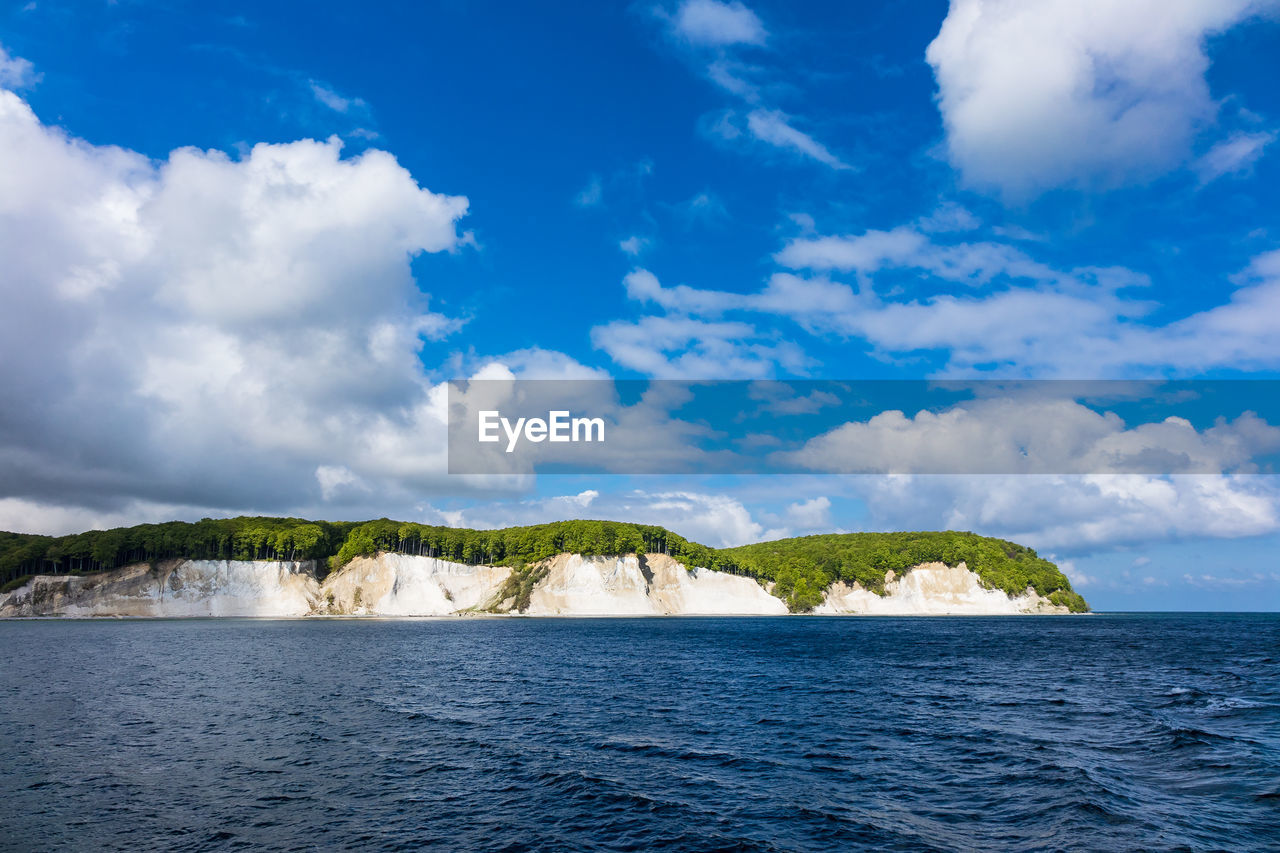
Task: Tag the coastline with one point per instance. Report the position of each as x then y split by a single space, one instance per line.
569 585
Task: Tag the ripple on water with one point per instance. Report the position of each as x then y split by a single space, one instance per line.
691 734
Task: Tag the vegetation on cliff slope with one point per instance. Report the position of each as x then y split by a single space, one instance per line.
800 569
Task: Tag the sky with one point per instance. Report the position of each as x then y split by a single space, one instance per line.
243 247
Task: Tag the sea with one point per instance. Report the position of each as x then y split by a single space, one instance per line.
1110 732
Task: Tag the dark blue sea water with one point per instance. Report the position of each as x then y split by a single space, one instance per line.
1109 732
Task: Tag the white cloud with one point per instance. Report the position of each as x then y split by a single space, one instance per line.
687 348
1028 435
331 99
1063 517
866 252
1014 325
208 332
711 519
539 363
334 478
734 78
1074 574
910 247
813 514
643 286
708 23
949 217
634 245
1233 155
785 294
1075 92
774 127
1021 315
16 72
721 29
1075 514
1029 327
54 518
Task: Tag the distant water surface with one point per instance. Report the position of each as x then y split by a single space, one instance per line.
1110 732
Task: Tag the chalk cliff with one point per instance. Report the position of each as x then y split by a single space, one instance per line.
390 584
933 589
406 585
172 588
648 585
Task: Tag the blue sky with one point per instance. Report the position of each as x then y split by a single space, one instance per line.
207 314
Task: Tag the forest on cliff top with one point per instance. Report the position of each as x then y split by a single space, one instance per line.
799 569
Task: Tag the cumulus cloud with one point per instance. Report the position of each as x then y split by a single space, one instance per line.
1063 517
211 331
539 363
1076 514
812 514
1075 92
1074 574
710 23
1030 436
16 72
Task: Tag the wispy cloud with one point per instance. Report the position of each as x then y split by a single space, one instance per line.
592 195
326 95
775 128
714 37
709 23
1233 156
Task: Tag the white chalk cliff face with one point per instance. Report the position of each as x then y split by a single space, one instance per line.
406 585
933 589
649 585
172 588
